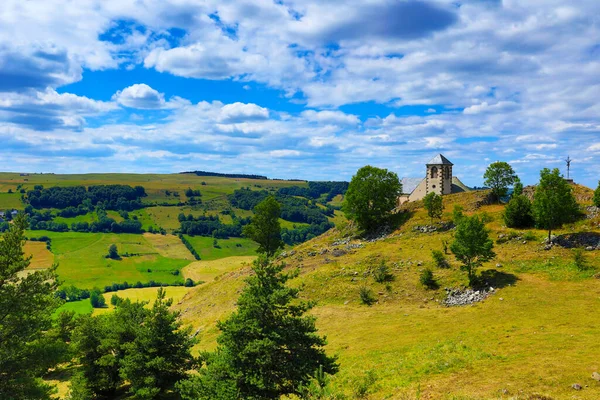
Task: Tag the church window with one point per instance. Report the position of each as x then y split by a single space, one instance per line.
434 172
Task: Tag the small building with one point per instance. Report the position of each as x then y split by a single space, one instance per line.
438 179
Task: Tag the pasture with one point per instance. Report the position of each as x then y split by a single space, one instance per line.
225 247
81 259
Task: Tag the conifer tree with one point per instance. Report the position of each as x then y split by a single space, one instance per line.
26 307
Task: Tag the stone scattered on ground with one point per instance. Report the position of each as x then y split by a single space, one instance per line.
576 386
592 212
588 240
596 376
440 227
457 297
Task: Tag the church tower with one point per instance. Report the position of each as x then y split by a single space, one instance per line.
439 175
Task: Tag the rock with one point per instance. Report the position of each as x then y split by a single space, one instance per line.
548 247
576 386
338 252
501 299
346 302
524 241
498 265
596 376
589 248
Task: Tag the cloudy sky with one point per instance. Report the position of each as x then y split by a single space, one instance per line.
299 89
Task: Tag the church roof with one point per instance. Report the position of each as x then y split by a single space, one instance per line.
439 160
410 184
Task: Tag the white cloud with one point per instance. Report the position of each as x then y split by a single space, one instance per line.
241 112
331 117
140 96
284 153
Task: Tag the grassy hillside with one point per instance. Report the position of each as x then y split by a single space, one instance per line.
534 337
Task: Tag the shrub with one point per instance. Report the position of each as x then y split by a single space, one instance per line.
439 259
597 196
113 252
517 213
457 214
97 299
366 296
427 279
530 236
364 385
382 273
188 283
115 300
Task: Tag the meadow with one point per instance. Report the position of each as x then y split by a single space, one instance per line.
532 339
225 247
82 261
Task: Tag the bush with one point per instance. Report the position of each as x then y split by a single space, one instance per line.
188 283
427 279
113 252
439 259
597 196
115 300
366 296
364 385
517 213
97 299
382 273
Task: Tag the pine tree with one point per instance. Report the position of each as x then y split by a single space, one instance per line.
264 228
268 348
160 354
26 307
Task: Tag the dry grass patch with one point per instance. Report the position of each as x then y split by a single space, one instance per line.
208 271
42 258
169 246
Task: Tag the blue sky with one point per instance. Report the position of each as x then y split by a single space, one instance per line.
300 89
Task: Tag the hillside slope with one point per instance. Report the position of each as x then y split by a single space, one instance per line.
536 334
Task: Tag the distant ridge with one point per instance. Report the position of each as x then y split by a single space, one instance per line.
206 173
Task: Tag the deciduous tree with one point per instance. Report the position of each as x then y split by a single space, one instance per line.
517 213
371 196
434 205
597 196
553 202
472 245
498 177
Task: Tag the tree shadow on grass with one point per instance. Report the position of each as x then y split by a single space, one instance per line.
496 279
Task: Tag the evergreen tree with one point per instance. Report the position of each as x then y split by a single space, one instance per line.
268 348
553 203
113 252
264 228
434 205
371 197
499 176
472 245
517 187
159 355
27 303
597 196
517 213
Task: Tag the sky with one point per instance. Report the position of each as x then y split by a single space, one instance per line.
309 89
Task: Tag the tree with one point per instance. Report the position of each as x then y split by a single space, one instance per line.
499 176
472 245
597 196
27 303
434 205
517 187
553 202
113 252
160 354
268 348
264 228
97 300
371 196
517 213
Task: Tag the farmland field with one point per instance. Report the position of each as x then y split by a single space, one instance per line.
227 247
82 262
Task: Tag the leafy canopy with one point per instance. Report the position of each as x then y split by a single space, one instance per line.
27 303
517 213
597 196
499 176
371 196
265 228
553 203
434 205
472 245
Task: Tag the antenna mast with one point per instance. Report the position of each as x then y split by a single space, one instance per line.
568 161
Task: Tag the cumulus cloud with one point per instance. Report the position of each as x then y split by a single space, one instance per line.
331 117
240 112
140 96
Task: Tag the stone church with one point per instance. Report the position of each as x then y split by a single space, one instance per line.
438 179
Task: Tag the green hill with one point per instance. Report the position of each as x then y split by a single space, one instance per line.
532 338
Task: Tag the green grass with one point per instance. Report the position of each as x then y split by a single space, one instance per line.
82 262
10 201
228 247
78 307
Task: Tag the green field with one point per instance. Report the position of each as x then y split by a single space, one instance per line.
227 247
82 262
